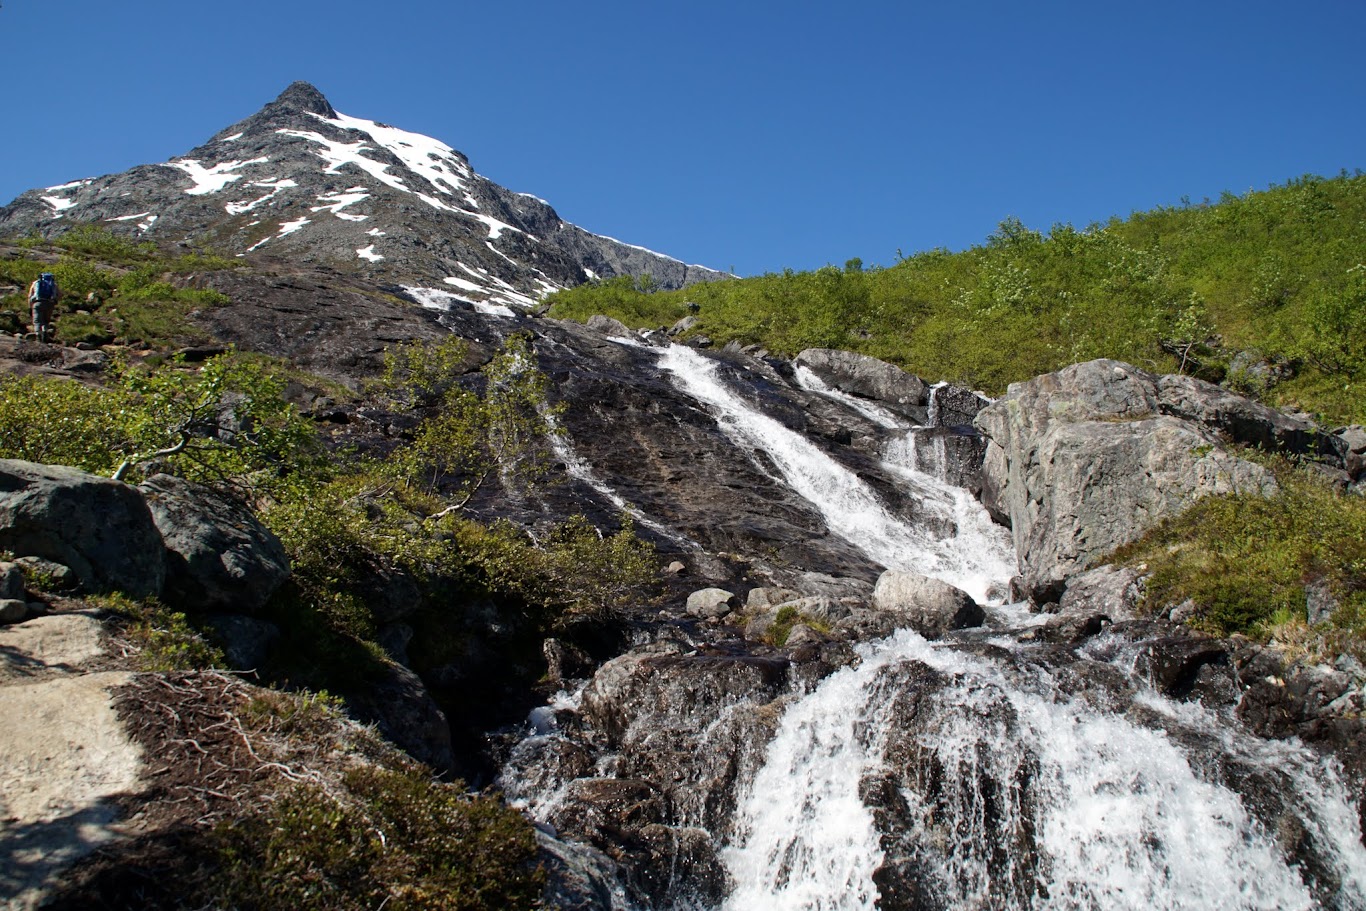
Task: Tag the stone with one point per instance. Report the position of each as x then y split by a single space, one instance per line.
818 607
1319 602
1176 665
801 636
1354 437
47 575
246 641
578 877
930 607
609 326
11 581
1083 460
101 529
1244 421
859 374
12 610
769 596
1114 592
686 324
405 712
710 603
756 629
219 556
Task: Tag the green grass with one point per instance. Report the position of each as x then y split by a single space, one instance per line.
1278 271
113 289
164 639
1245 561
392 839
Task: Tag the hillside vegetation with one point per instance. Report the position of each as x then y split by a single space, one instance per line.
1266 292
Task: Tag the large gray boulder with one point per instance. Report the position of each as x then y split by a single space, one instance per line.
101 529
930 607
219 557
1084 460
859 374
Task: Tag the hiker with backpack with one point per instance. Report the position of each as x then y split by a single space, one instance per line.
43 295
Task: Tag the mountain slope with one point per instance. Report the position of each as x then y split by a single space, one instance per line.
300 180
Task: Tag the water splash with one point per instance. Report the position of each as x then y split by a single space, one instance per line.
1023 797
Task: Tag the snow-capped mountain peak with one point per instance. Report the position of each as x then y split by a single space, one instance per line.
302 180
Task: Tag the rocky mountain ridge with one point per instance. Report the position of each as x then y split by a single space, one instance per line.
300 180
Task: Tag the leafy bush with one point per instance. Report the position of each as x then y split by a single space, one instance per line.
1245 561
575 571
469 437
98 241
164 639
393 839
63 422
226 422
1175 289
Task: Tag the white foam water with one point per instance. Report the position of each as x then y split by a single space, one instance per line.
1121 815
978 558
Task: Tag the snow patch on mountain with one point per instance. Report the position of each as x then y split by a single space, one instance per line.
369 253
337 154
276 187
59 205
436 299
290 227
145 220
430 159
214 179
335 202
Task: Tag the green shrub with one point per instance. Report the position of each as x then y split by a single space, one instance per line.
1172 289
165 640
225 422
394 839
63 422
98 241
1245 561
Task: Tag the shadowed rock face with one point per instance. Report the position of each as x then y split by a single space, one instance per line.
101 529
218 554
298 179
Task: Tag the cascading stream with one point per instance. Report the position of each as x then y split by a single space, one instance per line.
1023 797
977 558
995 773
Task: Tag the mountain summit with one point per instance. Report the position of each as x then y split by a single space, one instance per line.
300 180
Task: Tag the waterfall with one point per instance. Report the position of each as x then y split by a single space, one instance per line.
975 560
903 452
880 416
984 772
1022 796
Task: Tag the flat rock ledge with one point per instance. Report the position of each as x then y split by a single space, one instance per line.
65 753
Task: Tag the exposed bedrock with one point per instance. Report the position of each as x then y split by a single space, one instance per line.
1086 459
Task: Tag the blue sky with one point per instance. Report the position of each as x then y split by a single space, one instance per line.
756 136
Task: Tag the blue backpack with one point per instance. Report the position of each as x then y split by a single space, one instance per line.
47 287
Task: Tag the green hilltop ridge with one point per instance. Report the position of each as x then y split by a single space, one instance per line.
1265 292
